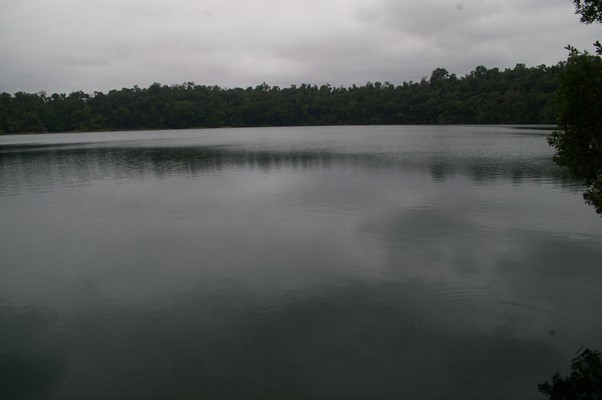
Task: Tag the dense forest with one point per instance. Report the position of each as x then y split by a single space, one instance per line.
519 95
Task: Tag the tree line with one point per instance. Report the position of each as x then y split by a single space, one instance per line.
519 95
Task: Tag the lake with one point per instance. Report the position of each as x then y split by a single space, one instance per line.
330 262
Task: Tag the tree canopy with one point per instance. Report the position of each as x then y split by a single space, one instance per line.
519 95
584 382
578 140
590 10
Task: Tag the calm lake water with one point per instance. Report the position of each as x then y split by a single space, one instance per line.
353 262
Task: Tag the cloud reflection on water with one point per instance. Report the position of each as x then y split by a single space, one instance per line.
279 265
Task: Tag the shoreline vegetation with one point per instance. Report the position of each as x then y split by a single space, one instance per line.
513 96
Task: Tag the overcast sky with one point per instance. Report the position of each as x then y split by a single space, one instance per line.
98 45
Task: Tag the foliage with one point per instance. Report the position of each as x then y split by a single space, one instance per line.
584 382
591 11
578 140
519 95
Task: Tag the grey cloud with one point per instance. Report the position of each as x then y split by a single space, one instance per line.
99 45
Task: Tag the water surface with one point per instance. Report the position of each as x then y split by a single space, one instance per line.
355 262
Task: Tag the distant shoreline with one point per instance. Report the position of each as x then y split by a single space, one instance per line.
535 127
518 96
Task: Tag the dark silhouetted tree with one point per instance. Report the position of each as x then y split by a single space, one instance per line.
578 139
583 383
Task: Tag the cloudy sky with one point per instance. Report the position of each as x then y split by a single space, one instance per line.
98 45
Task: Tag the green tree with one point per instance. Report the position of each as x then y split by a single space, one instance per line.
584 382
519 95
578 139
591 11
